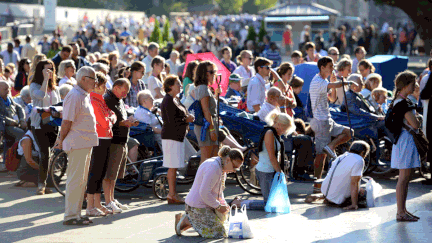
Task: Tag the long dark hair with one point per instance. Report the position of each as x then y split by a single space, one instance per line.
21 65
201 73
38 75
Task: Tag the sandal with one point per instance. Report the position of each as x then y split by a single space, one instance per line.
106 210
178 221
405 218
175 200
78 222
48 190
412 215
87 219
20 183
95 212
238 198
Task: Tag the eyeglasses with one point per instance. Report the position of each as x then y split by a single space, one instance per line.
95 79
212 71
268 67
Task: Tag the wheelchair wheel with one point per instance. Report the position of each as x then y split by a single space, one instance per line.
160 186
58 171
127 184
246 176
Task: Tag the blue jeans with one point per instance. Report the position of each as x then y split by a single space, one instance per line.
265 179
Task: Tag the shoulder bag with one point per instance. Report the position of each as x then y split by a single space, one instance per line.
420 140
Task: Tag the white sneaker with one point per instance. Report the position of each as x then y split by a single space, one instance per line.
124 207
113 207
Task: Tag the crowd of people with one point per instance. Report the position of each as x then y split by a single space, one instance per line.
102 72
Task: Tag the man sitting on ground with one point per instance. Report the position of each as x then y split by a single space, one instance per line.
342 183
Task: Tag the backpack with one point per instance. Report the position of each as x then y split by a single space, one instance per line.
12 159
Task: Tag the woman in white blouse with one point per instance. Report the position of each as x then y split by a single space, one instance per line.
67 71
244 70
155 80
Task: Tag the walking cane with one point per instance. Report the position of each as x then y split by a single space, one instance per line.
218 81
347 110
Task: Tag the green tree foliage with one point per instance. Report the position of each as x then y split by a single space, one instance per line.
252 35
230 6
166 32
262 32
156 35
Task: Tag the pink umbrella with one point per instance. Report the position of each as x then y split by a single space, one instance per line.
222 70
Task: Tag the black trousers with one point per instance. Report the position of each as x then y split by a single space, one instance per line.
304 147
45 138
98 166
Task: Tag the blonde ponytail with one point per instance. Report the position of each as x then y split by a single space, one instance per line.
283 119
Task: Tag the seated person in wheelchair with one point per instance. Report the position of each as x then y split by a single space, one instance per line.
12 114
28 170
235 86
341 186
379 99
302 144
359 106
25 100
148 114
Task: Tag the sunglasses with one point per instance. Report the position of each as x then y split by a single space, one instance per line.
268 67
212 71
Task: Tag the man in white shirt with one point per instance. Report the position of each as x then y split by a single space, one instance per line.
342 183
153 50
272 103
28 50
321 91
257 85
10 55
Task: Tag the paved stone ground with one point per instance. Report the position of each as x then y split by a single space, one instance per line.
25 217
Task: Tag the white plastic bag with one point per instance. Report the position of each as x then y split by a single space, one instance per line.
372 190
239 227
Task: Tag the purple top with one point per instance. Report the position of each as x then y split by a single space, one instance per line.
231 66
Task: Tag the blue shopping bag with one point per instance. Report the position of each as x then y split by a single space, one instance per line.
278 201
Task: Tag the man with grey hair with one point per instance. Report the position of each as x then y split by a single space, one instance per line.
77 137
25 100
153 50
342 183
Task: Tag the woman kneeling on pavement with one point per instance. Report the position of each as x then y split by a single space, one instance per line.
28 169
205 204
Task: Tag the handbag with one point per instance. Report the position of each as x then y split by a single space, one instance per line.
239 227
372 190
420 140
278 201
196 110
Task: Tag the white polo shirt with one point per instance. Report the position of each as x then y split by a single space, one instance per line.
256 92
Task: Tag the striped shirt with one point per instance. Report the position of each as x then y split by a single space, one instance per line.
265 110
318 94
273 56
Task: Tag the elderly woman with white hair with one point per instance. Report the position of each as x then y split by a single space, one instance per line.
25 100
67 71
101 67
372 81
146 113
64 90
